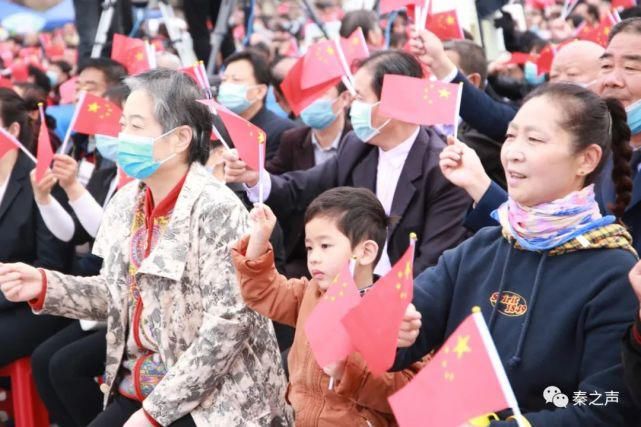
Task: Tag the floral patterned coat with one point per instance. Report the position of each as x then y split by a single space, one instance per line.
222 358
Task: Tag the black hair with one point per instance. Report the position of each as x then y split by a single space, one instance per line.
113 71
63 65
40 78
117 94
595 120
365 19
391 61
357 212
258 61
14 109
630 25
471 57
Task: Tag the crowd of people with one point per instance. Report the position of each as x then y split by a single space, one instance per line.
156 278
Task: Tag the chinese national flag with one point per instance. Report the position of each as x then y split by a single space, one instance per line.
321 64
445 25
6 83
68 91
519 58
623 4
299 98
354 47
7 142
246 137
544 60
373 324
390 5
97 115
45 152
419 101
130 52
464 380
326 334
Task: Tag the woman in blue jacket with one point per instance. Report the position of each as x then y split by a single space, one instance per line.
551 281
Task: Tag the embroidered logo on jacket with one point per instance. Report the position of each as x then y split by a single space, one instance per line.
511 304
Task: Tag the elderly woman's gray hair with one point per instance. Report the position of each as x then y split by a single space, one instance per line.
175 96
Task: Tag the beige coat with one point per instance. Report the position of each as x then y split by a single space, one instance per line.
222 358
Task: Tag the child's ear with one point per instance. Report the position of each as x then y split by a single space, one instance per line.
369 252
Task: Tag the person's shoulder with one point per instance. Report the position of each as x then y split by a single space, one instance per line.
294 135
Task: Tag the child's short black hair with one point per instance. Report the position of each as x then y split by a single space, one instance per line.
359 215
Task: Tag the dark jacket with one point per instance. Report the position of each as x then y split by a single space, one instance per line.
425 202
296 152
559 322
24 237
274 126
632 360
482 112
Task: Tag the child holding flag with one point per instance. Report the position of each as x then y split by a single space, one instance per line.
341 224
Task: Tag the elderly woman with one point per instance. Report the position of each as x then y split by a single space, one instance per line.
182 348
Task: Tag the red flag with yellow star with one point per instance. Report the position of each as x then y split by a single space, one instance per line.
97 115
297 97
322 63
247 138
325 332
354 47
390 5
374 323
130 52
445 25
419 101
465 379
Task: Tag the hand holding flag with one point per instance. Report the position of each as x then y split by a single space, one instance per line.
463 380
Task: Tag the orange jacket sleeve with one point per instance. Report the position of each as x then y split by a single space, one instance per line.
264 289
367 390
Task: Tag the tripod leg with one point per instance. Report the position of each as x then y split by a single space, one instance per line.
103 28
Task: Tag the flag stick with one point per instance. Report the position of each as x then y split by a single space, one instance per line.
261 169
72 123
418 14
331 382
458 108
349 81
493 354
18 144
425 12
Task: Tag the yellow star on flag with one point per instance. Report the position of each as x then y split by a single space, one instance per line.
93 107
449 20
444 93
330 50
462 346
261 137
139 56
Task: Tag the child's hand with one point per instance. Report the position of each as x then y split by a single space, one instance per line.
410 327
335 370
263 223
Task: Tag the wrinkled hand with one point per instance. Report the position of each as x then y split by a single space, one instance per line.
635 280
138 419
428 48
20 282
410 327
237 171
42 189
462 167
335 370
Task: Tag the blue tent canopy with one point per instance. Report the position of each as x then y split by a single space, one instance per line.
7 9
59 15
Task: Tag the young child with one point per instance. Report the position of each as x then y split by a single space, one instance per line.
340 224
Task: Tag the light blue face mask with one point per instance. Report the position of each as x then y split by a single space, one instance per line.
530 71
136 155
319 114
634 117
53 78
107 146
234 97
361 117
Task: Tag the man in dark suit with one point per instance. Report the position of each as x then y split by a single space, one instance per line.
396 160
302 148
245 81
